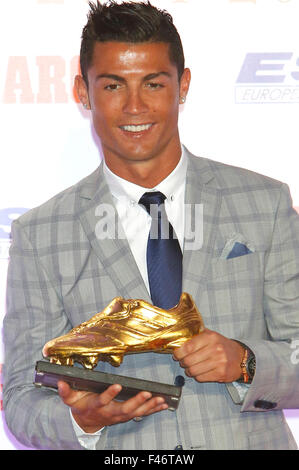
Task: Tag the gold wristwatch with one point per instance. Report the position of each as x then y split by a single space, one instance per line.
248 365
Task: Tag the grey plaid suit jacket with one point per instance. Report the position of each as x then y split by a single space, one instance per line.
60 275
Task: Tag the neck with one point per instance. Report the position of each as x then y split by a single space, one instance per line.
147 173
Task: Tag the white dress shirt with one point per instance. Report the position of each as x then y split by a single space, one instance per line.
135 221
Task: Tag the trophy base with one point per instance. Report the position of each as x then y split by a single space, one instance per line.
47 375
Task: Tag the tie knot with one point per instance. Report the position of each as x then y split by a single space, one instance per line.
152 198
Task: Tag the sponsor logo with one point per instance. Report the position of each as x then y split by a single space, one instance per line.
268 77
6 217
53 76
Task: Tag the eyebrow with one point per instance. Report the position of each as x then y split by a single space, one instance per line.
118 78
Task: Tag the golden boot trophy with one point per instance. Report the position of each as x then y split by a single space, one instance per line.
125 326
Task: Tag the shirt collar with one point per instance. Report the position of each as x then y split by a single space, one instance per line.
124 190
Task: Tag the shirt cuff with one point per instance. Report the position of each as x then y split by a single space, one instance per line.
242 390
86 439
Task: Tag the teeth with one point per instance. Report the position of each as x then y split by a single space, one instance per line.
142 127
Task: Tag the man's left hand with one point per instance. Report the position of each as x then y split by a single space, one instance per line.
210 357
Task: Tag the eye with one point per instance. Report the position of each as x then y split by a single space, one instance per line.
112 86
154 85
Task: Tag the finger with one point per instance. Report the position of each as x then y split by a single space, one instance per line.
196 357
64 389
156 409
131 406
210 376
68 395
109 395
152 406
205 371
189 347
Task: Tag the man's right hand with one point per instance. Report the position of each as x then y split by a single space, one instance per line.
93 411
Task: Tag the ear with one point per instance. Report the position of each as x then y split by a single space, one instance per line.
82 91
184 84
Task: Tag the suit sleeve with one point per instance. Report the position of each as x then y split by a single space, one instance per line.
276 381
37 417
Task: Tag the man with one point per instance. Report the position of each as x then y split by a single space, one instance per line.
243 276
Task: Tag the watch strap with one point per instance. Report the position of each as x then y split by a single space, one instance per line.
246 376
243 366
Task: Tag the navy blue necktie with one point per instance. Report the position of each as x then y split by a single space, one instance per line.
164 255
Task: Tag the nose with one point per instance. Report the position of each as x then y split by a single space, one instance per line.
135 103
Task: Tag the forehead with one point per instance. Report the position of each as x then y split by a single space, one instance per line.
112 57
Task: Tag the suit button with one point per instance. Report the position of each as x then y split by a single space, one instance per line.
264 404
179 381
178 447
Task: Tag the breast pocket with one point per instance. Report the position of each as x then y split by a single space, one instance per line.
234 295
233 266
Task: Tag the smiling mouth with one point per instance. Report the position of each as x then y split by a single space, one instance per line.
137 128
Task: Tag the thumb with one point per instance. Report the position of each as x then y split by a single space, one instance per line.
64 389
69 396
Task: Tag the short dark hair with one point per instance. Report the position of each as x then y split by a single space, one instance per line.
129 22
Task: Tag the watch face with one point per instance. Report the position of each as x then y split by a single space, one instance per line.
251 366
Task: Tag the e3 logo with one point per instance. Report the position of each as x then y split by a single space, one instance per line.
268 77
256 64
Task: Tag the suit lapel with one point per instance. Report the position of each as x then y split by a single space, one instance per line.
97 212
199 190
